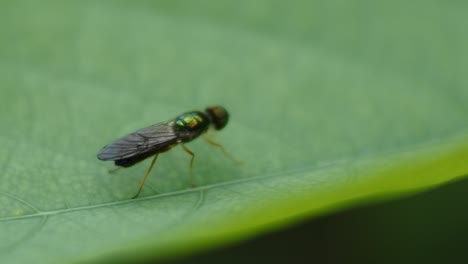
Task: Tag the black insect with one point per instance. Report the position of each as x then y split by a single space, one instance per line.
161 137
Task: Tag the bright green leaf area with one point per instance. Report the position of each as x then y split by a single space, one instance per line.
333 103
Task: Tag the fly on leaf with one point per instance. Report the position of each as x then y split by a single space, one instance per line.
150 141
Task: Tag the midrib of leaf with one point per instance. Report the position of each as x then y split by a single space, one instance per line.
40 213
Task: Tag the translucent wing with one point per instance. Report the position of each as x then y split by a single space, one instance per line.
146 140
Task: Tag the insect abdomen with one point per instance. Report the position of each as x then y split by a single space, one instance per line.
128 162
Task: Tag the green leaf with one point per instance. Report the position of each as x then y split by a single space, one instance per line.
333 103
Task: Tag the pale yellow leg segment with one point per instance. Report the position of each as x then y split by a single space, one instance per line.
146 176
191 163
211 142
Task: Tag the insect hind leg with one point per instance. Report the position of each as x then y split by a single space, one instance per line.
145 177
114 170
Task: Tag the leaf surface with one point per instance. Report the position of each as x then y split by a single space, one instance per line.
332 104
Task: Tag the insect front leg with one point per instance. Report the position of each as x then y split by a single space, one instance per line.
211 142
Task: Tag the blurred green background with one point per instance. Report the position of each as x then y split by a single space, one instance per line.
333 104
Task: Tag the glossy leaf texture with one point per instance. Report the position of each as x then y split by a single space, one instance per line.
332 103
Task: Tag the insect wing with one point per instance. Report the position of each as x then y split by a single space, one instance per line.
148 139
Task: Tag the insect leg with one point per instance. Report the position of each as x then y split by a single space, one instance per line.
191 163
146 176
114 170
211 142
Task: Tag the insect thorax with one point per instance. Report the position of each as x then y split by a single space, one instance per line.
192 121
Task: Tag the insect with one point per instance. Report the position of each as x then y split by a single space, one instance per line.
161 137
